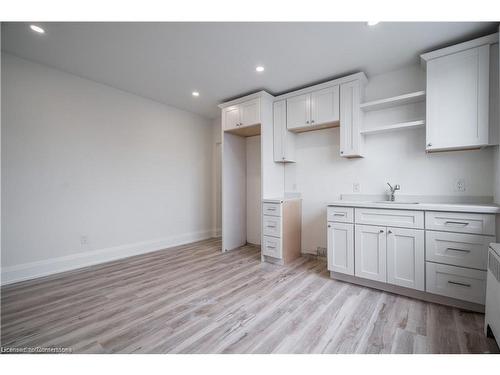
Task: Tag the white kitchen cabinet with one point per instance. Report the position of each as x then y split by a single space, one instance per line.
241 115
250 112
351 140
315 109
231 117
406 257
370 252
458 100
325 106
298 111
284 140
341 248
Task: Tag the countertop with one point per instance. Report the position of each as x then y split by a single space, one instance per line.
489 208
280 200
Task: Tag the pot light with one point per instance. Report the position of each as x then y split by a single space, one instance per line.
37 29
259 69
195 93
372 23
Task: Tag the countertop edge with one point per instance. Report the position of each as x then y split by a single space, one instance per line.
450 207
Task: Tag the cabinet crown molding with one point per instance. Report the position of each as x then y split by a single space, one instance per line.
258 94
488 39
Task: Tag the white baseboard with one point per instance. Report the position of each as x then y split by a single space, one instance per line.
47 267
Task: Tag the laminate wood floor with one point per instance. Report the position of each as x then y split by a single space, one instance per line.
194 299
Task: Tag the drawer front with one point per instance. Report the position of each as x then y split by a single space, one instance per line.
272 209
393 218
457 249
456 282
272 247
460 222
271 226
340 214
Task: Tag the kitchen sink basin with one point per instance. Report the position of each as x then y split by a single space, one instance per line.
391 202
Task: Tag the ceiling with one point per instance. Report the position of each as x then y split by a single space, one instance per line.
167 61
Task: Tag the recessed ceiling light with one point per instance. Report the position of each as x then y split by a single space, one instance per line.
259 69
372 23
37 29
196 93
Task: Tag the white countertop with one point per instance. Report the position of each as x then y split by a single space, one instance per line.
279 200
489 208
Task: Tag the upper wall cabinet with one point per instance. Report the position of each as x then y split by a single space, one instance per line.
458 96
351 140
317 109
284 140
240 115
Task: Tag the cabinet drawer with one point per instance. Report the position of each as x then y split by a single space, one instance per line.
466 250
272 247
460 222
456 282
271 226
273 209
393 218
340 214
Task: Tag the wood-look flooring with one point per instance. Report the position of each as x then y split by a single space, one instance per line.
194 299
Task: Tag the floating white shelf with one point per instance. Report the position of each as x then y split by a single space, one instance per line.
412 97
394 127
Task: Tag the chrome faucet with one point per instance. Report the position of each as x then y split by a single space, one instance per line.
393 191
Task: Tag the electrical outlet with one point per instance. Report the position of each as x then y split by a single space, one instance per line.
460 185
355 187
84 240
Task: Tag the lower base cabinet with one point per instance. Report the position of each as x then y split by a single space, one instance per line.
406 258
370 252
341 248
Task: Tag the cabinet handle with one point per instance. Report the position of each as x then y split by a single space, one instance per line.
341 152
343 214
455 249
271 208
307 122
271 247
271 226
329 226
389 231
457 283
312 121
381 231
456 223
429 144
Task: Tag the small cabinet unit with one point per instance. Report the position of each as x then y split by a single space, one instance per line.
341 248
458 96
284 140
351 140
370 252
241 115
406 258
281 229
312 110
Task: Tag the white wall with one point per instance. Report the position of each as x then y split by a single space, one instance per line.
83 159
321 175
253 170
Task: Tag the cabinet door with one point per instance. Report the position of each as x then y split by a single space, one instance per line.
250 112
370 252
405 257
325 106
298 111
279 127
350 118
458 100
341 248
231 117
